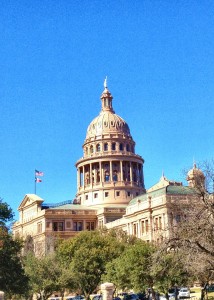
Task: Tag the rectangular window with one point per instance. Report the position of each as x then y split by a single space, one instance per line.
135 229
78 226
90 226
95 195
160 223
58 226
128 194
86 197
117 193
143 227
106 194
39 227
147 226
156 223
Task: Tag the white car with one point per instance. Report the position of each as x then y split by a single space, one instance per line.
184 293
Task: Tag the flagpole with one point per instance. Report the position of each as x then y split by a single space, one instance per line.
37 179
35 182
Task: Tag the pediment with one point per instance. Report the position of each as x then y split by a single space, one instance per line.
162 183
29 199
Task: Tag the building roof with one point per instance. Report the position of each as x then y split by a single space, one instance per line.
166 190
162 183
180 190
29 199
73 207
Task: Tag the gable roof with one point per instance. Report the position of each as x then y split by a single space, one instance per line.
29 199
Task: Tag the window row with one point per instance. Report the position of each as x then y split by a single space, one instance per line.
106 194
74 226
146 226
108 147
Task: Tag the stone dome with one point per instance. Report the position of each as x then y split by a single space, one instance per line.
195 172
107 122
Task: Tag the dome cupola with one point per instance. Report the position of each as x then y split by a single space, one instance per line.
195 177
106 98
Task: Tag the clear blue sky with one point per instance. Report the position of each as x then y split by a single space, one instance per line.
54 56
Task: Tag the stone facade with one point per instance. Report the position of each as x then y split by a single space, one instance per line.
110 191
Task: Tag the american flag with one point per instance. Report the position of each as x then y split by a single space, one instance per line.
38 179
38 173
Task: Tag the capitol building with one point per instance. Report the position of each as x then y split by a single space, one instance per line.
110 191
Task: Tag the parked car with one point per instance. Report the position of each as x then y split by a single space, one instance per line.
141 296
184 293
131 297
172 292
78 297
210 288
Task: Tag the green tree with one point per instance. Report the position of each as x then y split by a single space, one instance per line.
12 277
169 270
6 213
87 255
131 270
46 275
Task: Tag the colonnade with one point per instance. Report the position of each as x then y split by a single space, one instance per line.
110 171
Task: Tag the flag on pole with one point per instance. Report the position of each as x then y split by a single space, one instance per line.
38 173
38 179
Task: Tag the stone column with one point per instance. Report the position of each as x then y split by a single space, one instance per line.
78 178
90 172
121 170
107 290
131 179
101 172
95 175
83 175
111 173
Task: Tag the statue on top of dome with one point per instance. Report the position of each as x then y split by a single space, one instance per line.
105 83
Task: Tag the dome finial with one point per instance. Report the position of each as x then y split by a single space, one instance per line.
105 83
194 163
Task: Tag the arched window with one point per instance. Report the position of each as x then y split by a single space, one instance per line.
106 147
113 146
86 150
98 147
127 148
91 149
121 147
